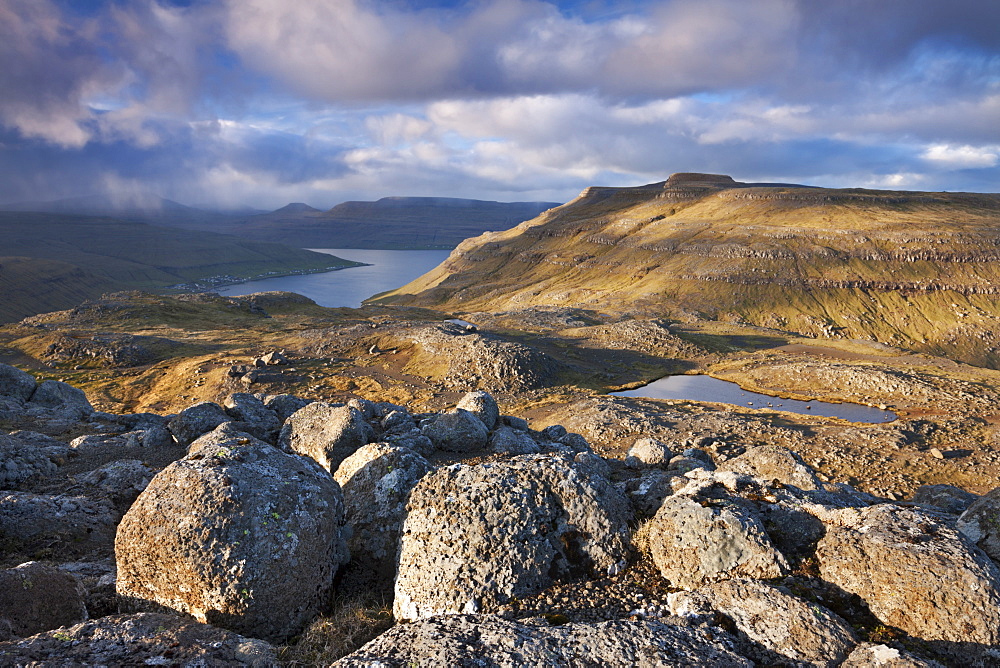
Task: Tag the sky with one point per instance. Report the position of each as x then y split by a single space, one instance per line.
257 103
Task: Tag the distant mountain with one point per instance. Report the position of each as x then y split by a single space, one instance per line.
919 270
54 261
391 222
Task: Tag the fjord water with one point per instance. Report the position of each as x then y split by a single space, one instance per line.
706 388
388 269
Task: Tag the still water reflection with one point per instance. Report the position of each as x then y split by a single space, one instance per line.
706 388
389 269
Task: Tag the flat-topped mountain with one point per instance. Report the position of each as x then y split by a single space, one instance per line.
916 269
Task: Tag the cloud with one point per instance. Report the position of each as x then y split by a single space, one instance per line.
961 157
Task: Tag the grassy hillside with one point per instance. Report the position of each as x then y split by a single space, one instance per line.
910 269
55 261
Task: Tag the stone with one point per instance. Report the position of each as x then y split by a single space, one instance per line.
62 398
145 639
483 640
376 482
196 420
476 537
946 498
507 441
457 430
42 524
648 491
771 462
254 417
22 459
870 655
328 434
914 571
273 358
397 422
367 408
16 384
122 480
648 452
697 540
236 534
682 464
483 406
783 623
980 523
36 597
284 405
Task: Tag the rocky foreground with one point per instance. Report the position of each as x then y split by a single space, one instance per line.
224 534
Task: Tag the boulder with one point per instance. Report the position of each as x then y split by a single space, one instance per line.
508 441
648 452
253 416
196 420
122 480
870 655
782 623
457 430
36 597
648 491
22 458
980 523
483 406
482 640
376 481
397 422
284 405
946 498
64 399
772 462
328 434
476 537
914 571
16 384
145 639
237 534
43 524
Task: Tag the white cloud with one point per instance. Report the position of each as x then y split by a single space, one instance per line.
963 157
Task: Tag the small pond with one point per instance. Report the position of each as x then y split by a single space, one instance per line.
706 388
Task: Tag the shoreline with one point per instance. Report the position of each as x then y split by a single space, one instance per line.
212 283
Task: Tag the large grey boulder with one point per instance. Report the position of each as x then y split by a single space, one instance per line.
783 623
195 420
61 398
121 480
483 406
376 481
914 571
476 537
772 462
70 526
36 597
509 441
483 640
326 433
980 523
16 384
870 655
26 455
648 452
946 498
237 534
253 416
284 405
145 639
457 430
697 539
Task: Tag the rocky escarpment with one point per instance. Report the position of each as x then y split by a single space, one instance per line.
905 268
503 543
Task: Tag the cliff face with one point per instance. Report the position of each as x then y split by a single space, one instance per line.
916 269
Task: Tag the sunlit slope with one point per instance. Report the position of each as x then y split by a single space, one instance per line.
907 268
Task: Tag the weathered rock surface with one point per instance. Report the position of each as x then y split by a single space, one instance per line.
59 397
869 655
510 441
771 462
326 433
376 481
70 526
648 491
481 640
196 420
980 523
36 597
483 406
477 536
142 639
783 623
946 498
457 431
697 540
253 416
915 572
16 384
25 456
122 480
648 452
236 534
